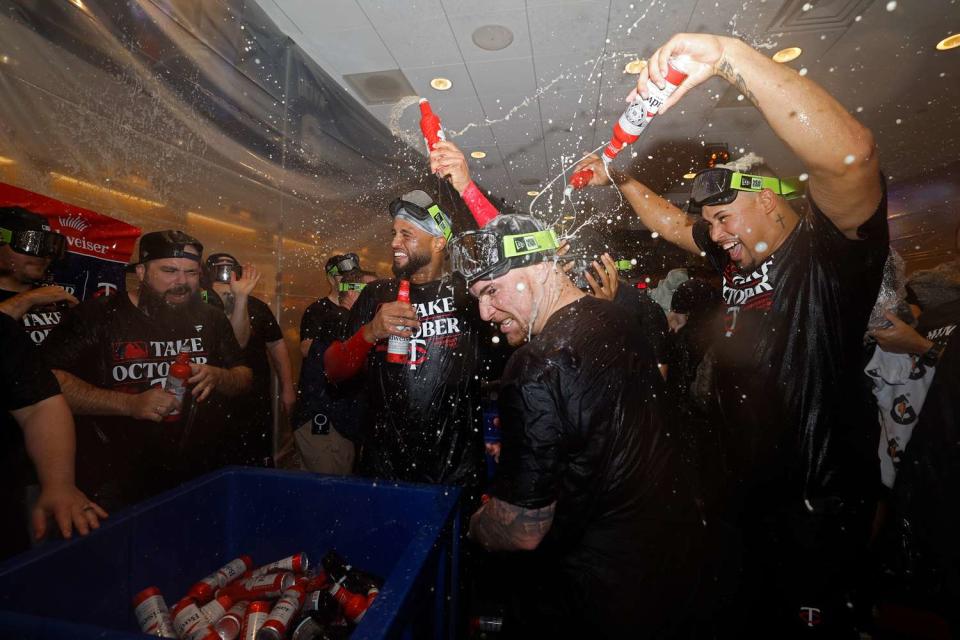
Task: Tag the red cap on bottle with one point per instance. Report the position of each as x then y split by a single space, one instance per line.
201 591
425 109
149 592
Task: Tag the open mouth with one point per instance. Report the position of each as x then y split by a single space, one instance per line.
505 325
734 249
399 255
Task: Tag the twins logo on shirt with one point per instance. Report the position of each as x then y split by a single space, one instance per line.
438 326
753 291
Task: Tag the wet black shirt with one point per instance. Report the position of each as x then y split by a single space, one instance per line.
583 425
649 315
313 323
24 380
789 362
423 418
111 344
38 321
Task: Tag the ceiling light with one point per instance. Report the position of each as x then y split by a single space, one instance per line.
533 193
60 178
6 161
78 4
788 54
199 218
441 84
635 66
689 176
950 42
492 37
479 155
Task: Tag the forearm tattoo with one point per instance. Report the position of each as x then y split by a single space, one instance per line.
725 69
502 526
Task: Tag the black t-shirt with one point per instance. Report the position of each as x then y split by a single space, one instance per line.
650 317
424 417
319 401
789 362
312 323
264 330
24 380
111 344
38 321
584 425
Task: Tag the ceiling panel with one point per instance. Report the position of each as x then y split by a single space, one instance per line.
502 77
576 28
515 20
517 127
312 17
351 51
419 43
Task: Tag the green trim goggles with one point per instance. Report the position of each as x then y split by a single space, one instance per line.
434 215
40 244
485 255
721 186
352 286
347 262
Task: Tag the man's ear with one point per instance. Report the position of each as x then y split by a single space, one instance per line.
141 271
767 200
438 244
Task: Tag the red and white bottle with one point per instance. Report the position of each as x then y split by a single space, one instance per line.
430 125
638 115
177 382
398 348
152 614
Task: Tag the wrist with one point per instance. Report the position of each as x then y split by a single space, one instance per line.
368 334
468 186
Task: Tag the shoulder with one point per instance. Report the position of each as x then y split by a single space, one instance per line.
258 306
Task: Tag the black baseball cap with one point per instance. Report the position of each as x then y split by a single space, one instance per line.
157 245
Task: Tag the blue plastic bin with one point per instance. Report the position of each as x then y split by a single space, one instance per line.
406 533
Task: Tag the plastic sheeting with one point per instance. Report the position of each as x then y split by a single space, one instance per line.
201 116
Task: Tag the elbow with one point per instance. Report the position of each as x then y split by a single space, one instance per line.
861 146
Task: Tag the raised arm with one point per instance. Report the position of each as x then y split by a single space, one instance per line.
838 152
447 160
656 213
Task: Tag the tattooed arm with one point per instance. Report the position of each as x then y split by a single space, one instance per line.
837 151
501 526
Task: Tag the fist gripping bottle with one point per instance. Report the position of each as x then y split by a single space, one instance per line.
177 382
430 125
398 349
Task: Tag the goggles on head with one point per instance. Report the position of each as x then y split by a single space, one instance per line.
484 255
434 215
347 262
40 244
221 272
721 186
352 286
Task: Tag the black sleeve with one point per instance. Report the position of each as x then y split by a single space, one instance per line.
873 236
701 236
24 380
229 353
531 437
263 321
77 340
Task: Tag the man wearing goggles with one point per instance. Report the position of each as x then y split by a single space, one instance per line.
258 333
27 249
798 290
327 422
581 420
319 313
423 419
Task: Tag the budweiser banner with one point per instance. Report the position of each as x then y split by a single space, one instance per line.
99 246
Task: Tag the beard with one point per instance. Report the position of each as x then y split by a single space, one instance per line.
415 262
156 305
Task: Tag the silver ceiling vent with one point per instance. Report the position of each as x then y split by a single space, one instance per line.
380 87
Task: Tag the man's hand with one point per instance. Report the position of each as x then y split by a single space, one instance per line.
392 319
501 526
17 305
244 286
703 54
205 379
900 338
69 507
606 288
154 404
595 164
447 161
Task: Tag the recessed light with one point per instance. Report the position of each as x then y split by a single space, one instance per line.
78 4
788 54
635 66
6 161
479 155
533 193
492 37
950 42
689 176
441 84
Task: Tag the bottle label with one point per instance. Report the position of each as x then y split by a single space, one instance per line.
634 120
397 346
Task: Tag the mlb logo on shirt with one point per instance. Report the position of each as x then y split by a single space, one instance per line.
125 351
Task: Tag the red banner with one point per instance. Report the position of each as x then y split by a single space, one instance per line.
88 233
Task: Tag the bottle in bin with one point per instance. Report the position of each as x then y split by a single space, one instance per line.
354 590
398 349
177 383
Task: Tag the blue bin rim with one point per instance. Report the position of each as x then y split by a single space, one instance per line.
379 616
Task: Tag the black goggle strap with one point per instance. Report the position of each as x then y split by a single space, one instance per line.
352 286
